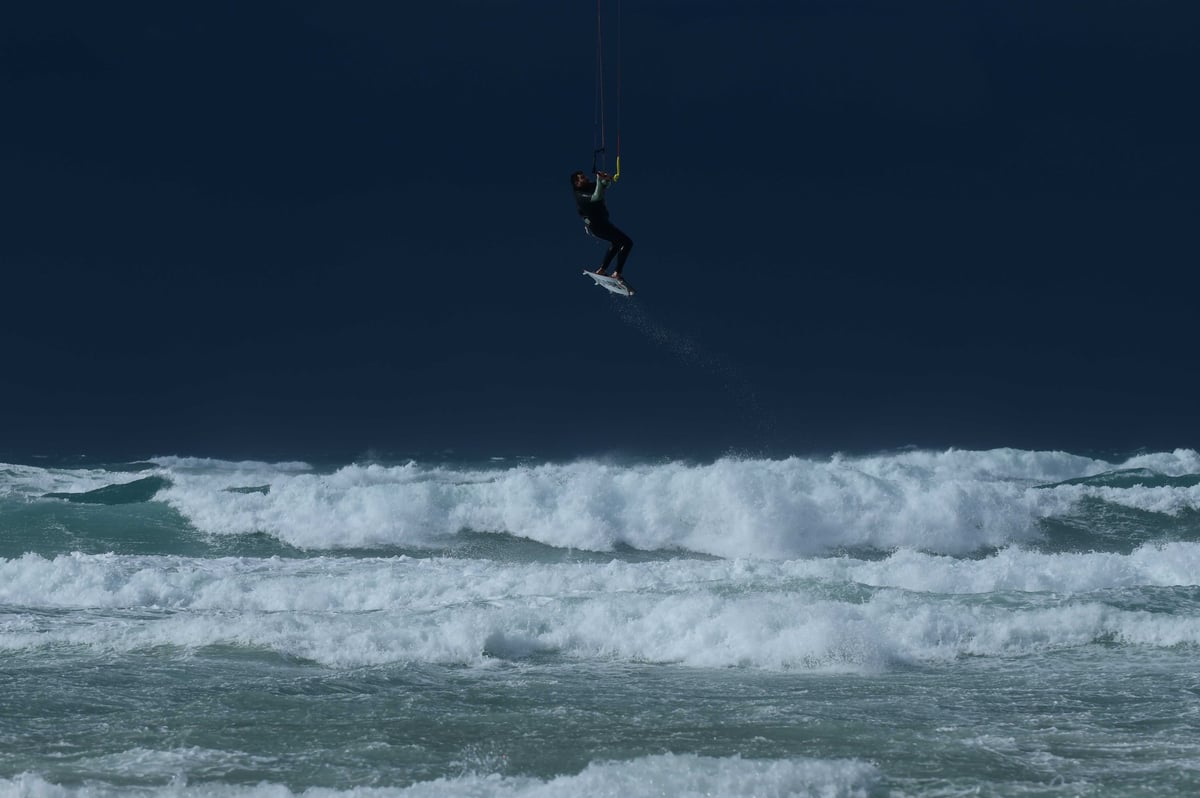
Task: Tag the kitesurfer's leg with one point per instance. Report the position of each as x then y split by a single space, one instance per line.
608 256
619 245
596 230
623 244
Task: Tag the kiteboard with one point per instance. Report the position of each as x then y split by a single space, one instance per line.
611 283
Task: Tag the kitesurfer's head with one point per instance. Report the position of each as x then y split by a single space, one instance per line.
578 179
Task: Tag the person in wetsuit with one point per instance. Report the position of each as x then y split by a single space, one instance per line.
589 197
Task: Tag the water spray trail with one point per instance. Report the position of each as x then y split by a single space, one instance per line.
690 351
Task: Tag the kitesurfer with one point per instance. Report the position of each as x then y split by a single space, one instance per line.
589 197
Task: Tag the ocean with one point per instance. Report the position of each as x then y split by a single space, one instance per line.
934 623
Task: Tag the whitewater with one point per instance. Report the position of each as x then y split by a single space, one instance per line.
907 623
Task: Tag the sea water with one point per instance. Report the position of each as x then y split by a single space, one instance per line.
915 623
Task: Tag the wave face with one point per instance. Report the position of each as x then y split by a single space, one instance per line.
905 623
953 502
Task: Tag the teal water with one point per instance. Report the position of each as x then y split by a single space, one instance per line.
986 623
1046 726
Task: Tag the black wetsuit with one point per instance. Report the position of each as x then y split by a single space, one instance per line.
595 218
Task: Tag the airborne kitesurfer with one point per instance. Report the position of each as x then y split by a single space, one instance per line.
589 197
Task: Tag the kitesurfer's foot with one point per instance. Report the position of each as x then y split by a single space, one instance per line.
600 272
617 276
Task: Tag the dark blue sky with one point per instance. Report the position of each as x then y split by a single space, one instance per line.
290 229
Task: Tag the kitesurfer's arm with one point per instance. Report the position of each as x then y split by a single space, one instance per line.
602 183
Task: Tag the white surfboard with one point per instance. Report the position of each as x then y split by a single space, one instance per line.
611 283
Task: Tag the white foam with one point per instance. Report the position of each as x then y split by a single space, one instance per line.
208 465
950 501
830 614
1179 462
32 482
682 775
685 775
1016 569
1173 501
